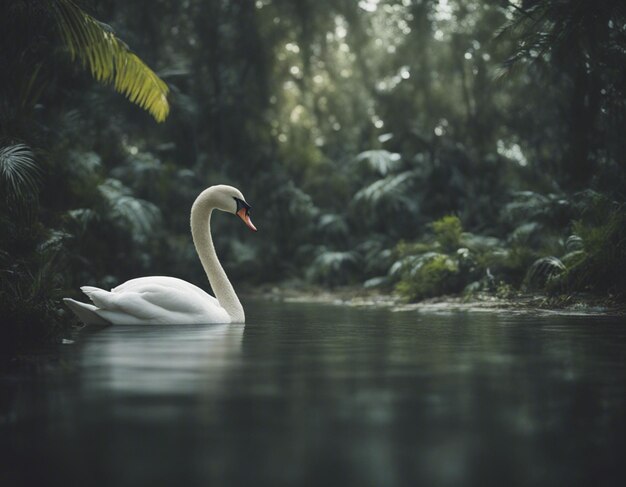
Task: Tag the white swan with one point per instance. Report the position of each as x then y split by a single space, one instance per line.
167 300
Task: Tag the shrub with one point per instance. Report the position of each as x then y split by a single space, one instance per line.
508 265
601 267
333 268
433 275
448 232
29 300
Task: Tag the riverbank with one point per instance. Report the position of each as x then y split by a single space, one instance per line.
479 302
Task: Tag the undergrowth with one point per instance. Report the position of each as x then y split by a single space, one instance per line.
601 267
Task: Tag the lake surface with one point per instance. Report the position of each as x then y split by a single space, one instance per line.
321 395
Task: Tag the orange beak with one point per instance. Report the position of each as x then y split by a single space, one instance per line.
243 214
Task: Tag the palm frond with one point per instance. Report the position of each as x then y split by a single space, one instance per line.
79 219
84 164
333 267
110 60
334 261
54 243
19 173
139 217
390 189
333 226
387 202
542 271
380 161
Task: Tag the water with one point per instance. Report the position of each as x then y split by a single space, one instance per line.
320 395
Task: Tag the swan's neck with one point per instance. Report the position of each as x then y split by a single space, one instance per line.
201 232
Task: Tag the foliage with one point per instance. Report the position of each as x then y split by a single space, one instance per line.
31 277
387 203
432 274
542 271
140 217
601 267
509 265
333 268
19 173
109 59
379 162
29 309
581 45
448 232
438 265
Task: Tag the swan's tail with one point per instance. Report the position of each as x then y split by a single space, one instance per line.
85 312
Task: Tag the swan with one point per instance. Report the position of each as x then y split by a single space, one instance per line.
168 300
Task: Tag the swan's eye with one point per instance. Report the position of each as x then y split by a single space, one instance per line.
242 204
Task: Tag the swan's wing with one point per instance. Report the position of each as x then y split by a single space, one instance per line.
87 313
155 303
139 284
131 303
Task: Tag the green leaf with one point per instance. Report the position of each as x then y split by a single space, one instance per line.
19 172
110 60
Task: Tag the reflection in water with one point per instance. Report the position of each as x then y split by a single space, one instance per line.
140 360
321 395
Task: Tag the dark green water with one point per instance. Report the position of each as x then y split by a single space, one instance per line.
317 395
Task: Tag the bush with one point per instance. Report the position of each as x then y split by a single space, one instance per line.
448 232
29 300
333 268
601 267
433 275
508 265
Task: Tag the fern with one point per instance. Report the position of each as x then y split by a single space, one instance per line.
19 173
390 189
110 60
333 267
380 161
139 217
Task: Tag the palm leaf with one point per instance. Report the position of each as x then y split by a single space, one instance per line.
140 217
380 161
390 189
110 60
19 172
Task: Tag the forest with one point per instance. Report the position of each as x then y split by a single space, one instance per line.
414 148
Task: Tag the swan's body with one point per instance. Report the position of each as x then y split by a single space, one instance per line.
168 300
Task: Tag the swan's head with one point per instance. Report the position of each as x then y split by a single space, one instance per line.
231 200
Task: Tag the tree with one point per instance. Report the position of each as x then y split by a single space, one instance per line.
582 45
